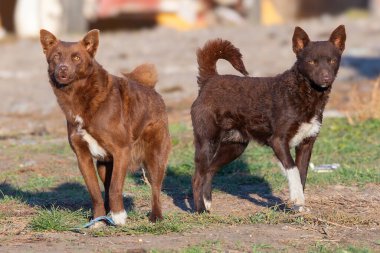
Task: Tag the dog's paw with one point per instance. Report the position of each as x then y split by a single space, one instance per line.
119 218
207 204
154 218
300 209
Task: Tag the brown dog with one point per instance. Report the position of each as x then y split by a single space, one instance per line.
282 112
119 122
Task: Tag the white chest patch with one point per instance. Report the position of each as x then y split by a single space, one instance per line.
306 130
95 149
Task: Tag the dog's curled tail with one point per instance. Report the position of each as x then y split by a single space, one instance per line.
145 74
214 50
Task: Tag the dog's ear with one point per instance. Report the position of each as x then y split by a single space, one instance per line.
47 39
91 41
338 37
300 40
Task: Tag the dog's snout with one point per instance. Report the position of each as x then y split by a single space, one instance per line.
326 77
62 73
63 68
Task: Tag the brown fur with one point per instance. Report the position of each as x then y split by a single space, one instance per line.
127 120
146 74
231 110
210 54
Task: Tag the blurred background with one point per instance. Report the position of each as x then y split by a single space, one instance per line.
167 33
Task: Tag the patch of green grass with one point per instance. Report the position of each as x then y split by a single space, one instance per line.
355 148
44 144
327 248
37 183
6 199
138 223
57 219
205 247
257 248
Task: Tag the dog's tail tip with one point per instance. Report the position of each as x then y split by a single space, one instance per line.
145 74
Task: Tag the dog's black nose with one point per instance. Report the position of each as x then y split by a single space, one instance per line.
326 79
63 68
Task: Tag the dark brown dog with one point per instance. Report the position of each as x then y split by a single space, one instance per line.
119 122
282 112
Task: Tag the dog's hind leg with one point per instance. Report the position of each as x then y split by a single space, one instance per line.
226 153
156 153
204 151
105 173
206 141
156 173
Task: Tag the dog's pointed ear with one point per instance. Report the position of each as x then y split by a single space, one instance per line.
91 41
47 39
338 37
300 40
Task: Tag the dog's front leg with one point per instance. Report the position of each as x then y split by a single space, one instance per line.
87 168
120 165
281 149
303 154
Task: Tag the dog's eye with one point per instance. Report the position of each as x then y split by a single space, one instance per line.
312 62
76 58
56 57
332 61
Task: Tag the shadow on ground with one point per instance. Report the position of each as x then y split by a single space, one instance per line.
71 196
234 179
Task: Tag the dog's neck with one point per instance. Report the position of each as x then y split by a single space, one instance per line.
83 97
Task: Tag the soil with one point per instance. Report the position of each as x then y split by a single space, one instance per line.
28 107
350 202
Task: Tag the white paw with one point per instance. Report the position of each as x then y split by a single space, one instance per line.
207 204
295 186
119 218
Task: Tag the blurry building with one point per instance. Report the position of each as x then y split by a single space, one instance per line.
26 17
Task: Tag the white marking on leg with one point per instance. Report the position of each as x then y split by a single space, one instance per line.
295 186
119 218
207 203
306 130
95 149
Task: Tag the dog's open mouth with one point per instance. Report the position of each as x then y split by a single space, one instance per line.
63 78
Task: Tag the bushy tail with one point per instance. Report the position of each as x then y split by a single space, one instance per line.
145 74
214 50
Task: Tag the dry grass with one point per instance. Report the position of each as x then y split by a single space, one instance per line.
364 105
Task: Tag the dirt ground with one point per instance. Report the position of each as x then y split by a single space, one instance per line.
352 203
28 107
